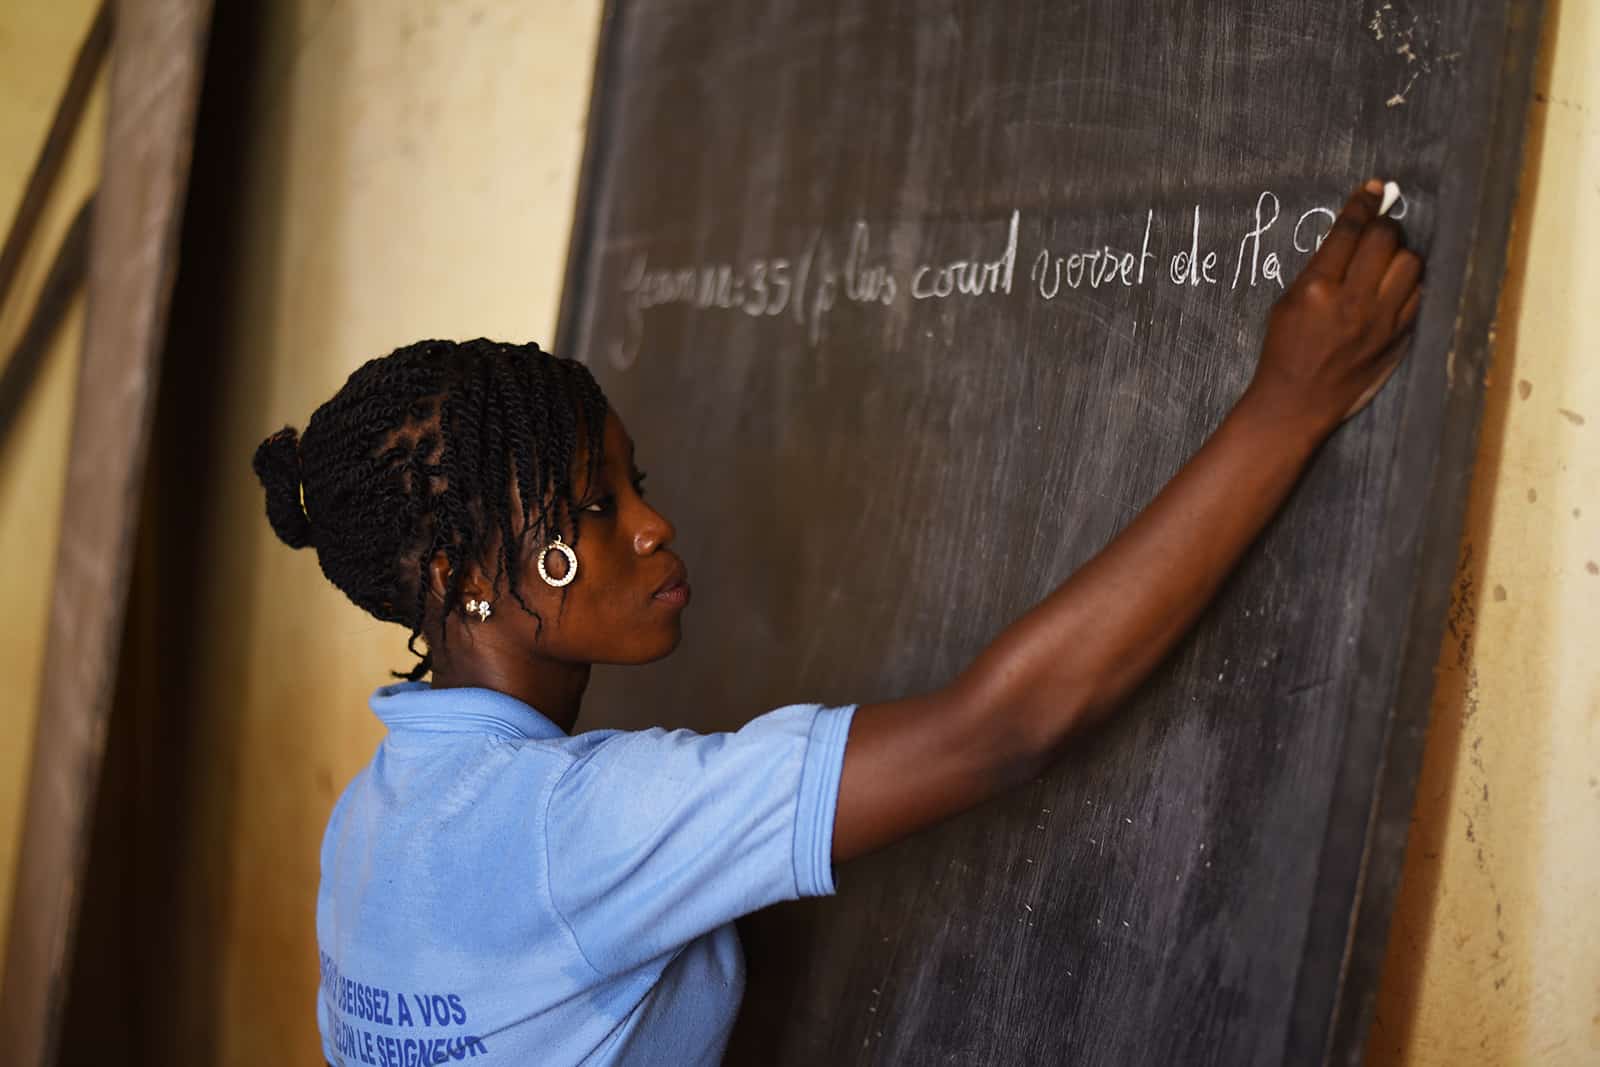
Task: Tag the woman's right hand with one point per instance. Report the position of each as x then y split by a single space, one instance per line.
1330 342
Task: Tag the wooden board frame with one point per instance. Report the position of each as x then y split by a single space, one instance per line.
157 59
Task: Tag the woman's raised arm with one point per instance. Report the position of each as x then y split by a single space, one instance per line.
1070 660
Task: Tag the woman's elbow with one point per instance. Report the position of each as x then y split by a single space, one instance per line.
1026 726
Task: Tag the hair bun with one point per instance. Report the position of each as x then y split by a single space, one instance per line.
277 465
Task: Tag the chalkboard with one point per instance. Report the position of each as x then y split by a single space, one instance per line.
910 306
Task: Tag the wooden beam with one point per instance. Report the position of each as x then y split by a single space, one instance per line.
155 82
68 113
61 284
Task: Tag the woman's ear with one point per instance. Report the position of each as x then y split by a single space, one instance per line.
438 575
473 587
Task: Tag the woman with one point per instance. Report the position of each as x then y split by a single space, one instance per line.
497 888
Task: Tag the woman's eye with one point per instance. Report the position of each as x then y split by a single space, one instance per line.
601 506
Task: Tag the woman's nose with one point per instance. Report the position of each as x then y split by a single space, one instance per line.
654 532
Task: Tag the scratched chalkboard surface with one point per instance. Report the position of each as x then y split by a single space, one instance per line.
909 307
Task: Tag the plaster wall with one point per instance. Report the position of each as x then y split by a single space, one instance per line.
1494 950
407 169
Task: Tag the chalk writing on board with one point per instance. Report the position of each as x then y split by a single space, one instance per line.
1413 41
803 287
973 276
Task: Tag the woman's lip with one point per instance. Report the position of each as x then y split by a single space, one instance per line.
678 576
677 594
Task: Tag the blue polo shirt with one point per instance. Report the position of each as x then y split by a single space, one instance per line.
497 892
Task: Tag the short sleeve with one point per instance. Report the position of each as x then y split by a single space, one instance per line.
656 837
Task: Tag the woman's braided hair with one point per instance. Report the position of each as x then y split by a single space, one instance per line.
445 447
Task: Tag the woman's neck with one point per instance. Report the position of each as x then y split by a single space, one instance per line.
553 689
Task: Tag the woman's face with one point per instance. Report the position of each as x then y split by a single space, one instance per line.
626 603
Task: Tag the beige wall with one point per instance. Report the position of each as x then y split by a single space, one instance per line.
409 171
38 42
1494 955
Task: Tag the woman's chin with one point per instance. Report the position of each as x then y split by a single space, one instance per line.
658 649
671 644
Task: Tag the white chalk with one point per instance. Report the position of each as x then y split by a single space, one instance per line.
1391 194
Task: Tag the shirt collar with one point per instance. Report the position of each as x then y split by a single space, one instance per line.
417 706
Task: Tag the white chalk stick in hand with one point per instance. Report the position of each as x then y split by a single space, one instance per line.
1391 194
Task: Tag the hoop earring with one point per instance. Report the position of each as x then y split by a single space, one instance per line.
572 563
480 608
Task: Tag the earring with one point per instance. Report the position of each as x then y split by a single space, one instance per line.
572 563
480 608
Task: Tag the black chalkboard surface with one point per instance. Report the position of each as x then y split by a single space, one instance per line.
909 307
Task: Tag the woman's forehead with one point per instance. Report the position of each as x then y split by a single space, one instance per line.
616 449
618 445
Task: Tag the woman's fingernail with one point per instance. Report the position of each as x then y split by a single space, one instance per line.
1374 186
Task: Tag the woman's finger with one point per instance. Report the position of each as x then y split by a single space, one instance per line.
1399 282
1333 258
1391 360
1380 242
1408 311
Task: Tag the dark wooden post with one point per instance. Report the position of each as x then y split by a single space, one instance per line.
155 81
